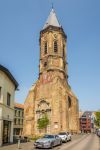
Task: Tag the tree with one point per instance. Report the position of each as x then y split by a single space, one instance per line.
43 122
97 119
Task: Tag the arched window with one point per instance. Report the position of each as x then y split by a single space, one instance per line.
45 48
55 46
63 50
69 102
45 64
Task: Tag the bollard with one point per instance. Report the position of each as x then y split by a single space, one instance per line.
18 143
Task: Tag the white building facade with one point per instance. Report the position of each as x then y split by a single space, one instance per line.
8 85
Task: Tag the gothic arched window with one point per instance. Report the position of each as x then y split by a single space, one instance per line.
63 50
55 46
45 47
45 64
69 102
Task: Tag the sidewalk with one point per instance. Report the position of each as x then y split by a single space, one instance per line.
23 146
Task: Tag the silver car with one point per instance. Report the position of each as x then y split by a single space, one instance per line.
48 141
65 136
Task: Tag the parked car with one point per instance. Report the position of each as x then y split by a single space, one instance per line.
98 132
48 141
65 136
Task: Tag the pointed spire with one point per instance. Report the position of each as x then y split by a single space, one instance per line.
52 19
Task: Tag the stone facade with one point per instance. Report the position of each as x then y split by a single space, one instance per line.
52 94
8 86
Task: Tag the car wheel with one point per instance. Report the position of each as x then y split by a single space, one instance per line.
65 140
61 142
51 146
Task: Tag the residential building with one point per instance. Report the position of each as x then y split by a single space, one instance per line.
87 122
52 94
18 119
8 85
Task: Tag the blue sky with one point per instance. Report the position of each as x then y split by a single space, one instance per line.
20 24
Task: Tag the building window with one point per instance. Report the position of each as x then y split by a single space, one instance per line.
83 119
8 99
45 64
15 112
22 113
22 121
69 102
45 48
17 131
19 113
0 93
18 121
15 121
63 50
55 46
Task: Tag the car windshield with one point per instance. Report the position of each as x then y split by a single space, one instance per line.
62 133
48 136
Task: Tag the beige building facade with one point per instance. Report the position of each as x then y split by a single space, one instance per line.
8 85
18 119
52 95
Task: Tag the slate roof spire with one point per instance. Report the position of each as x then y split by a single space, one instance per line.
52 20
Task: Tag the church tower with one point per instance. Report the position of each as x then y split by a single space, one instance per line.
53 48
51 94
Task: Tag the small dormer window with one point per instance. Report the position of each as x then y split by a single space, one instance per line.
55 46
45 48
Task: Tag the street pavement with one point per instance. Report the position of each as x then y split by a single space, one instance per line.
79 142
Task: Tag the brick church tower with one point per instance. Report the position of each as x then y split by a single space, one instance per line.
51 94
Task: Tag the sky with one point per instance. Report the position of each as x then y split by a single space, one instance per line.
20 24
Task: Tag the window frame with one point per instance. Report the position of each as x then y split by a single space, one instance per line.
45 47
55 46
69 102
19 121
8 99
63 50
45 64
19 113
0 92
15 112
15 121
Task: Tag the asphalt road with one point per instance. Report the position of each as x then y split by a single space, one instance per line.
79 142
82 142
